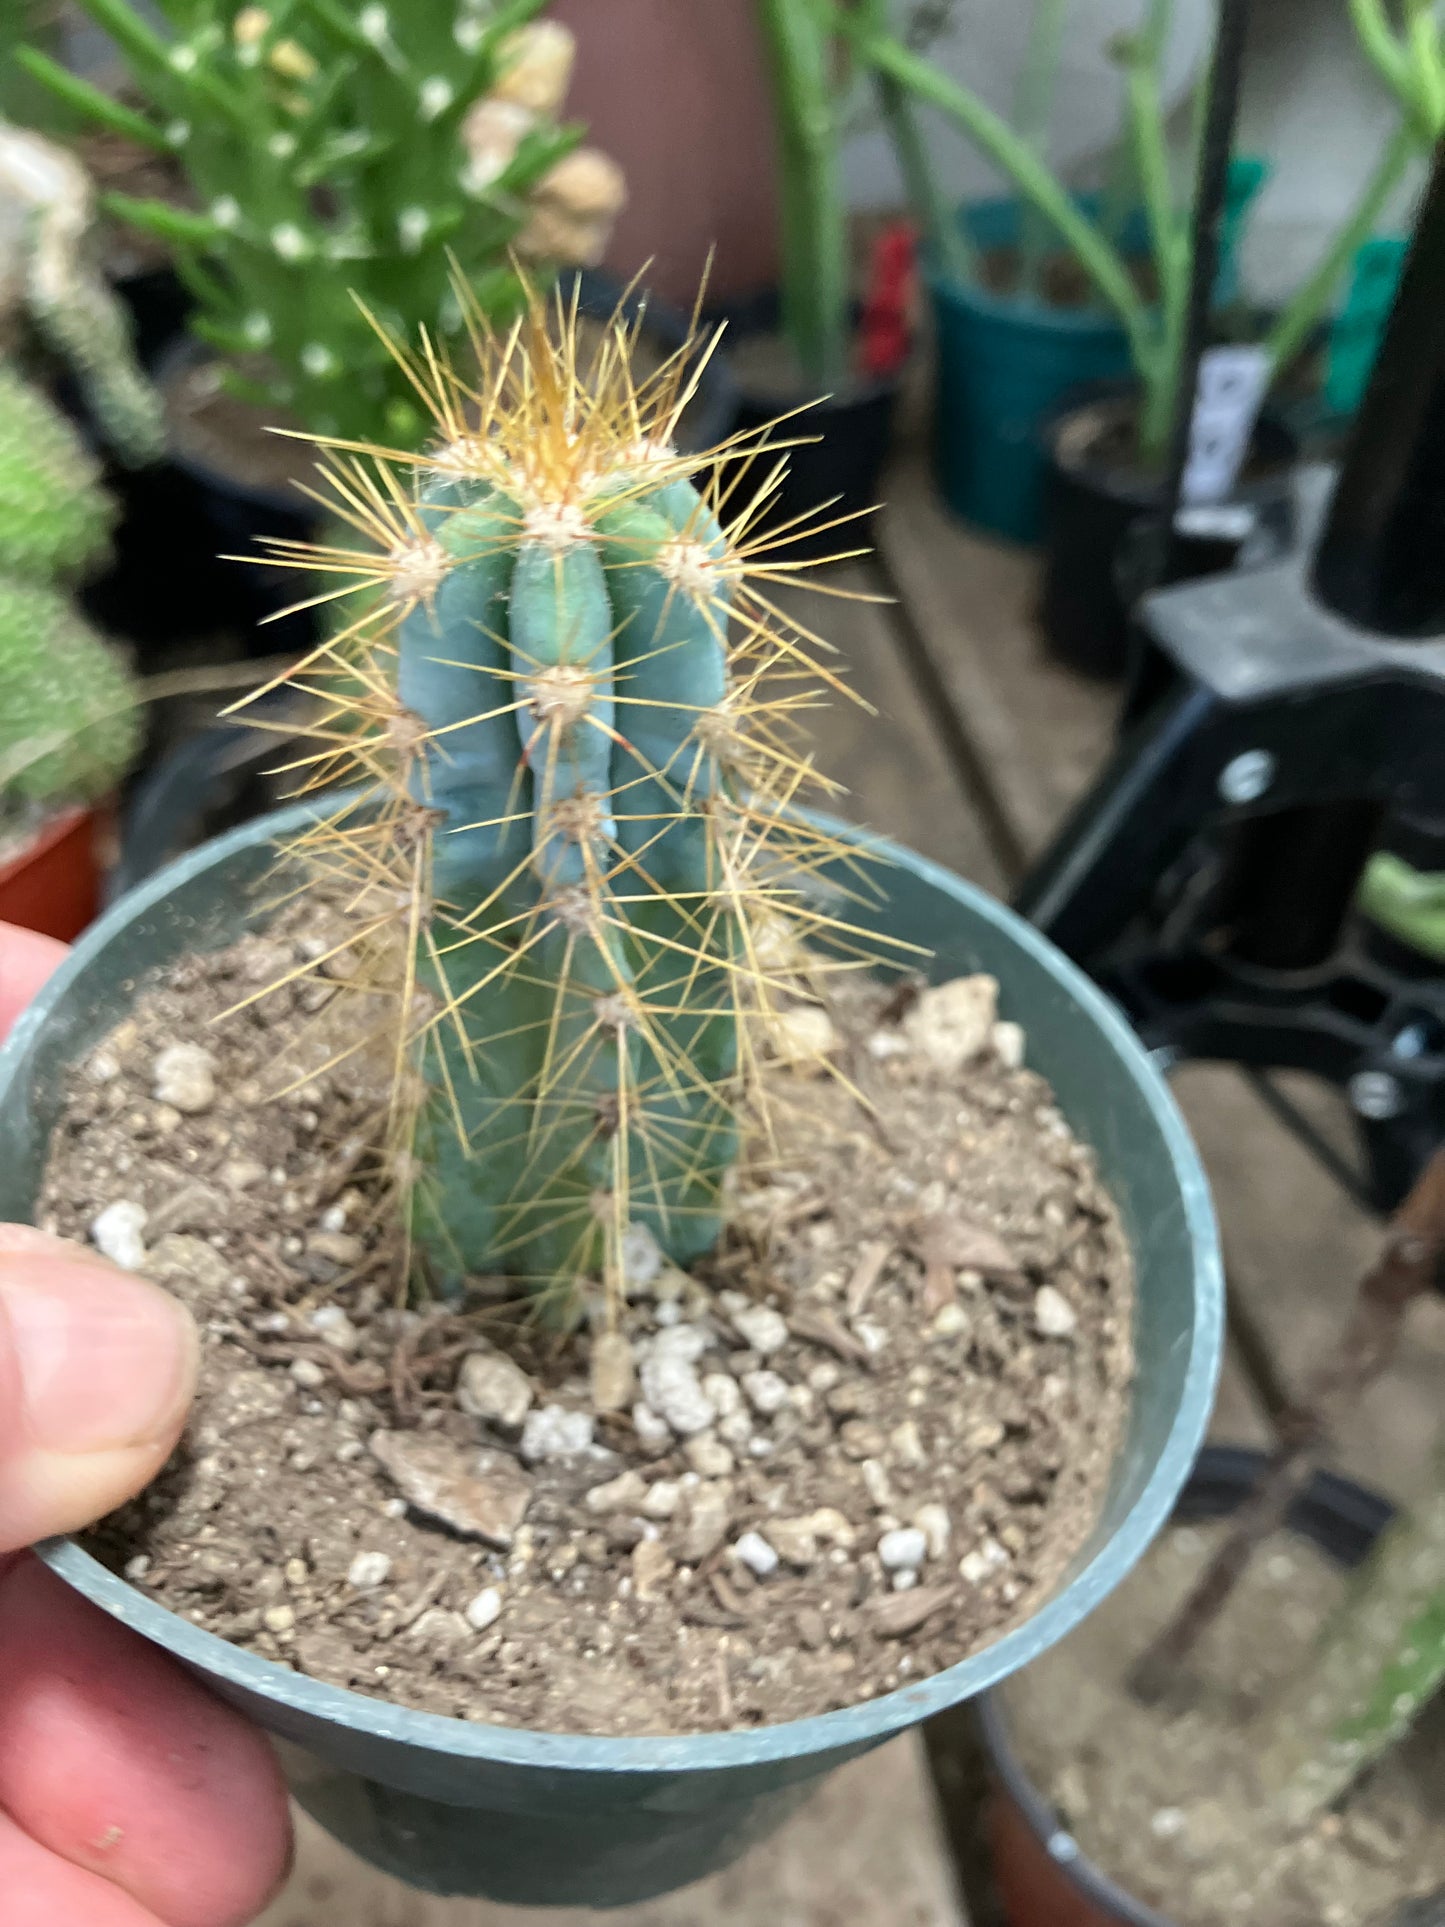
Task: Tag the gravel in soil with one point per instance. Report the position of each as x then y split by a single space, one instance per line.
863 1440
1167 1799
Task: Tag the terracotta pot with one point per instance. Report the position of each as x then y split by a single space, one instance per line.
53 886
675 91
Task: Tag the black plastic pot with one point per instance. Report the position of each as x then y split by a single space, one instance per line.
1041 1876
1094 515
841 444
553 1819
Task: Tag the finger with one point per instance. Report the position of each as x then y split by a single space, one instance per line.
97 1368
26 960
41 1891
121 1763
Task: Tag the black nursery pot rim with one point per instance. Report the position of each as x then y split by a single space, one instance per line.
300 1703
1340 1517
1271 437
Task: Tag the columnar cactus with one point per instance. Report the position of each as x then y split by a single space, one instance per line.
574 700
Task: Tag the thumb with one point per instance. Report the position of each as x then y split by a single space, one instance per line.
97 1368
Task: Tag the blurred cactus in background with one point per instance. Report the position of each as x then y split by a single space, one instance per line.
335 149
574 704
47 218
68 717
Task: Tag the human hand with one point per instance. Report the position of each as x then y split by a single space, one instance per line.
128 1796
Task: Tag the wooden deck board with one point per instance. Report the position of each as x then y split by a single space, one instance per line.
1038 731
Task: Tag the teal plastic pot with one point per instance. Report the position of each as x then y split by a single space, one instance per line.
1005 366
550 1818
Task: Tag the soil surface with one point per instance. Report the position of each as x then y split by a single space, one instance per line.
1168 1801
870 1435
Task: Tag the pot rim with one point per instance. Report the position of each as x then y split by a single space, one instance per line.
850 1728
1358 1514
53 828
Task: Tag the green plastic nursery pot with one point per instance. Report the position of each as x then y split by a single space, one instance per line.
1006 364
556 1819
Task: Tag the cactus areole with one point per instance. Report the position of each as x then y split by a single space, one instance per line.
576 882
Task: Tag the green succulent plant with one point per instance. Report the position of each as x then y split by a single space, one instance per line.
68 717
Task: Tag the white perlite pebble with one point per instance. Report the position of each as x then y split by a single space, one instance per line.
1054 1316
492 1388
484 1609
554 1432
335 1328
725 1393
185 1076
308 1374
952 1022
903 1549
767 1393
1167 1823
934 1523
983 1562
654 1434
138 1567
764 1329
1008 1042
368 1570
736 1430
116 1233
756 1554
670 1384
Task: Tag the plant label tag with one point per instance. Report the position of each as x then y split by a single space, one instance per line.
1231 386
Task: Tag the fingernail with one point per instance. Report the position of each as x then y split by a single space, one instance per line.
104 1359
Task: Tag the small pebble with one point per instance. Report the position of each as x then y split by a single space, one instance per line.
1054 1316
906 1547
341 1248
368 1570
1167 1823
764 1329
1008 1043
736 1430
185 1077
983 1562
297 1572
661 1499
704 1514
336 1328
951 1322
905 1443
767 1393
556 1432
794 1540
138 1567
278 1619
490 1387
950 1023
724 1391
670 1384
904 1577
484 1610
708 1456
756 1554
116 1233
875 1483
308 1374
651 1567
625 1493
933 1522
654 1434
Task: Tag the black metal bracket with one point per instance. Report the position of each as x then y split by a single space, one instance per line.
1208 879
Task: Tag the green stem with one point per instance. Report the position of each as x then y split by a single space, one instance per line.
1382 49
1100 260
1378 1661
90 101
815 251
1033 106
1292 329
946 238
